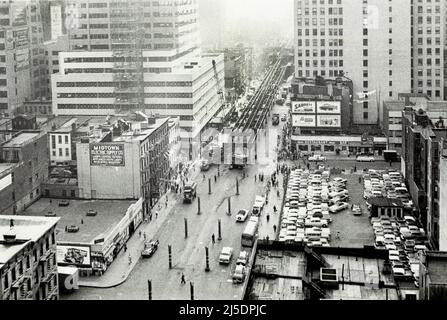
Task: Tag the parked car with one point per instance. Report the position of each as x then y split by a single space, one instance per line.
242 259
226 255
316 222
242 215
317 157
365 159
338 207
72 229
91 213
239 274
64 203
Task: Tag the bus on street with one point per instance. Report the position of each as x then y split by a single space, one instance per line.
250 233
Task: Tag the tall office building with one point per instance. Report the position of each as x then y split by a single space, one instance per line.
429 42
128 55
22 59
368 41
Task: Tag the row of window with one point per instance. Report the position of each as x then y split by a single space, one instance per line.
331 63
331 42
113 95
315 52
330 22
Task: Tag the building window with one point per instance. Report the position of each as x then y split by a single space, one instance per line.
365 115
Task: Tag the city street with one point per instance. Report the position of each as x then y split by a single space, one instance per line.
188 254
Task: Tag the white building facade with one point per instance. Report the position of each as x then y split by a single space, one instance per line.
368 41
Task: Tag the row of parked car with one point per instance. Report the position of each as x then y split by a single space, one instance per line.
240 270
310 199
403 239
386 183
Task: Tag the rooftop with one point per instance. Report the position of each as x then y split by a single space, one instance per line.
26 228
4 167
385 202
281 274
143 134
21 139
436 263
110 213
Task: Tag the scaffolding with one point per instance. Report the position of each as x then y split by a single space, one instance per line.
127 44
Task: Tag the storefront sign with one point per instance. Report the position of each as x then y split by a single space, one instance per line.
73 255
303 120
107 154
303 107
332 107
329 121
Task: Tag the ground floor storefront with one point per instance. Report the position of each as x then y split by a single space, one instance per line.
338 145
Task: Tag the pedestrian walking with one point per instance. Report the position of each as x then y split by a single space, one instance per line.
125 247
274 228
213 238
156 214
82 221
130 259
255 177
203 177
144 236
268 217
274 209
215 178
183 279
139 234
66 228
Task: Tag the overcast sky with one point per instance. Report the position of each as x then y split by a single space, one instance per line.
245 20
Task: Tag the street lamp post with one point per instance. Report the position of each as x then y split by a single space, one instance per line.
219 231
209 185
229 206
186 228
237 187
198 205
149 288
170 256
207 268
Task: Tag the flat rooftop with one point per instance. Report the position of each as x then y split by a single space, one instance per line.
5 167
360 276
110 213
21 139
26 229
143 134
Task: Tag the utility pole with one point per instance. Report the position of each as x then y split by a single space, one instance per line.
237 186
186 228
191 287
149 288
170 256
198 205
219 234
209 185
229 206
207 268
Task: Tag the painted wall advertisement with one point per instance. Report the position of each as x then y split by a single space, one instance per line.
303 107
329 121
73 255
107 154
333 107
303 121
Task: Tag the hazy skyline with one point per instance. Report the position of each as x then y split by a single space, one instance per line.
253 21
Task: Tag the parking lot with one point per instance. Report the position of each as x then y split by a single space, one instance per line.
354 231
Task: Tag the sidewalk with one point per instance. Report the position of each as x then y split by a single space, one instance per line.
120 269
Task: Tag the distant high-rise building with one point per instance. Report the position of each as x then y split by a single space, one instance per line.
367 41
127 55
23 69
429 43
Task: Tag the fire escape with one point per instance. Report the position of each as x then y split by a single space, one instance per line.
127 40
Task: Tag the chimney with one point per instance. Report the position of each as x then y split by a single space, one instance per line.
73 127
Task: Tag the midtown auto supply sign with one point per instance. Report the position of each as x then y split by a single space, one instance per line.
107 154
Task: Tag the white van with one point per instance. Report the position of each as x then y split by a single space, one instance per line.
380 242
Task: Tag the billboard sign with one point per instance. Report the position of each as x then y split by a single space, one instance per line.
332 107
303 121
107 154
73 255
329 121
303 107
